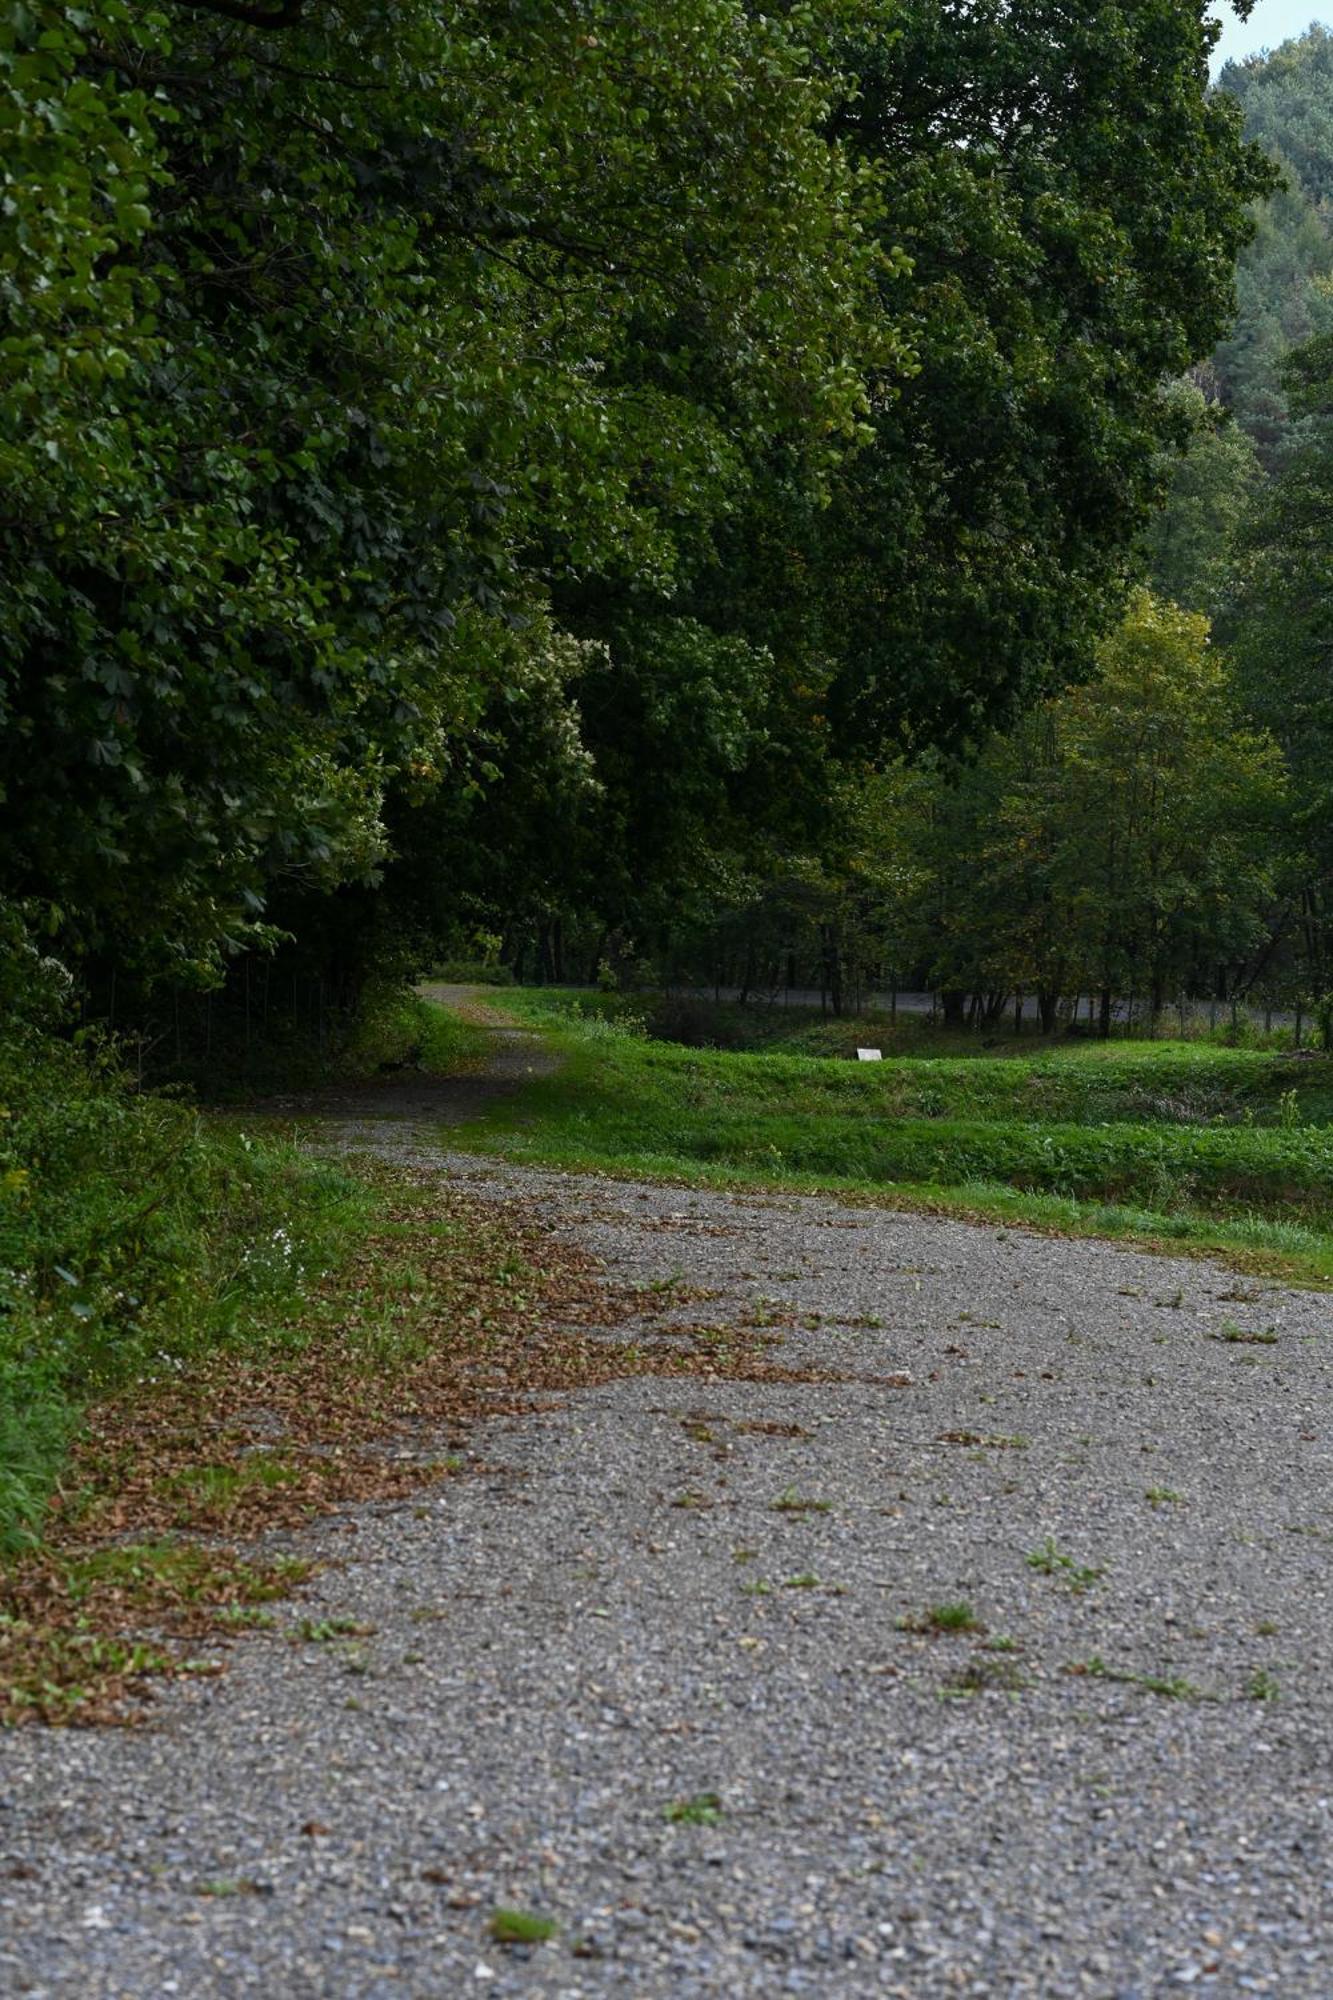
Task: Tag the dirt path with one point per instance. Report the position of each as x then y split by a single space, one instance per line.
377 1115
666 1672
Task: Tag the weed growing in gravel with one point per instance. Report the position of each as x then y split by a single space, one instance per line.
789 1501
986 1676
1172 1687
1261 1686
1052 1561
703 1809
1240 1336
321 1631
982 1439
941 1618
1162 1496
521 1927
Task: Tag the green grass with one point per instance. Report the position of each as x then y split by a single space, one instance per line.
137 1236
1187 1146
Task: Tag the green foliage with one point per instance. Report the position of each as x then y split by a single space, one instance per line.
1192 543
1120 839
1283 283
1072 219
130 1238
1281 645
326 351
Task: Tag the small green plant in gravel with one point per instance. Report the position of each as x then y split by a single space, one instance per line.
702 1809
521 1927
1053 1561
1261 1686
1162 1496
321 1631
789 1501
1241 1336
986 1676
1172 1687
943 1618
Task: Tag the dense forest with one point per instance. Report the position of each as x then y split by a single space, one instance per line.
558 482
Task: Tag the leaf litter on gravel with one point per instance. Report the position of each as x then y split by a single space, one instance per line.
455 1310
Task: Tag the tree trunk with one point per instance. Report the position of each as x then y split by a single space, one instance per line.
1104 1015
953 1002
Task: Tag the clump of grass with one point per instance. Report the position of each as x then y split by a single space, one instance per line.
1171 1687
702 1809
322 1631
521 1927
789 1501
987 1676
1052 1561
1240 1336
942 1618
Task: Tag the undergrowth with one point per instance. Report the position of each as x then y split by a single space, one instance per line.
134 1239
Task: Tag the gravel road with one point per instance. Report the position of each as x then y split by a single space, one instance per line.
664 1671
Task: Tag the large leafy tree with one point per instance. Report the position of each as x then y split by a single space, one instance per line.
1071 199
1283 644
1123 839
334 333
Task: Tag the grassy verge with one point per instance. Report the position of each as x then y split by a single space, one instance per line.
1188 1147
137 1237
446 1311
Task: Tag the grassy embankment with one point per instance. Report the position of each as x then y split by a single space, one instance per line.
139 1238
205 1335
1185 1145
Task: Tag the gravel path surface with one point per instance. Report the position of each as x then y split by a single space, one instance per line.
652 1672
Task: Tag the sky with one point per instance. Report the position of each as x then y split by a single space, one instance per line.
1272 21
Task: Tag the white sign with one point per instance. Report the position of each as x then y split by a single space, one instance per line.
870 1055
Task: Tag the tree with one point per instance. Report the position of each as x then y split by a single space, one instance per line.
1191 544
1071 201
1121 839
1284 652
334 334
1283 296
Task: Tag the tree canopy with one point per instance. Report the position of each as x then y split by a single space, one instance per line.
573 430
